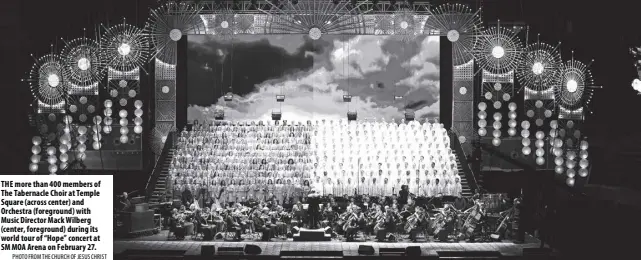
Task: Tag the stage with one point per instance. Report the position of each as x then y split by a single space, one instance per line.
158 244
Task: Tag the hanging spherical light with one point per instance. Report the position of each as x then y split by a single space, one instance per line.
511 131
82 148
583 172
36 149
496 141
124 130
525 125
526 150
138 130
570 173
106 129
526 141
482 131
540 161
497 125
124 139
583 163
496 133
51 150
35 158
63 166
584 145
96 145
53 168
583 154
570 182
482 115
559 169
64 157
33 167
525 133
539 152
570 164
138 121
36 140
482 106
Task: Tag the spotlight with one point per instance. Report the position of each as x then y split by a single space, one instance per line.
84 64
124 49
572 86
537 68
53 80
498 52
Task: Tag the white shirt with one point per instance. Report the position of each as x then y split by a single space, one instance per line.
387 189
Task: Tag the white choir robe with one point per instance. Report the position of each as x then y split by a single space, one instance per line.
376 190
441 190
415 188
387 189
397 188
447 190
338 189
425 190
458 190
433 190
328 189
363 188
318 187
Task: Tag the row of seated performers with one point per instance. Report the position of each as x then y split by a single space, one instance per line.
215 196
343 216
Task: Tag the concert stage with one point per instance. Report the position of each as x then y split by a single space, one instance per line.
157 245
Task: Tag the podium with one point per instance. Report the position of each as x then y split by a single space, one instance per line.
138 222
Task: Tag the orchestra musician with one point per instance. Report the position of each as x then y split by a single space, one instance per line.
233 225
416 223
125 204
352 224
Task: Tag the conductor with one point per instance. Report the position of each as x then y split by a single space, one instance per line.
313 209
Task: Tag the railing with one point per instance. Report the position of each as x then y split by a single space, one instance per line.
158 168
469 175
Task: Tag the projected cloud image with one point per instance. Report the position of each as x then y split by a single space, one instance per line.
314 76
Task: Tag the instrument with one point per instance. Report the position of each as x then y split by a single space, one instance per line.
493 202
411 223
474 216
351 222
380 222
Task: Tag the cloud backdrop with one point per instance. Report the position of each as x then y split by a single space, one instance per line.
314 76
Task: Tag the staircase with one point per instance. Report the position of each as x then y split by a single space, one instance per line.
467 191
161 188
468 180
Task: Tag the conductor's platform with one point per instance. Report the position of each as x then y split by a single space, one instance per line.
312 235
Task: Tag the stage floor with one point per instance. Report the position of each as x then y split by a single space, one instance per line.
193 247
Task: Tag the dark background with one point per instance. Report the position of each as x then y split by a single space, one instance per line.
593 29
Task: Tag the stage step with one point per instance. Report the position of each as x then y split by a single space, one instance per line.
464 182
312 235
161 185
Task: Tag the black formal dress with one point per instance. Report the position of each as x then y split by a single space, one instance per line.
313 211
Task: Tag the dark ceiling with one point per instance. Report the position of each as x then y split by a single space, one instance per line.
592 29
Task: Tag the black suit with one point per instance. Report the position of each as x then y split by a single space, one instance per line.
402 196
314 211
187 198
232 225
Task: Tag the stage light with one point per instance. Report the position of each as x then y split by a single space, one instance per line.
315 33
35 158
64 157
526 142
583 163
53 80
482 106
84 64
36 140
538 68
559 169
175 35
33 167
526 150
106 129
404 25
482 131
453 35
540 161
511 131
124 139
224 24
138 104
482 123
525 133
496 141
570 182
636 85
572 86
51 150
583 172
498 52
53 168
124 49
124 130
497 104
525 125
96 145
512 106
570 173
138 129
